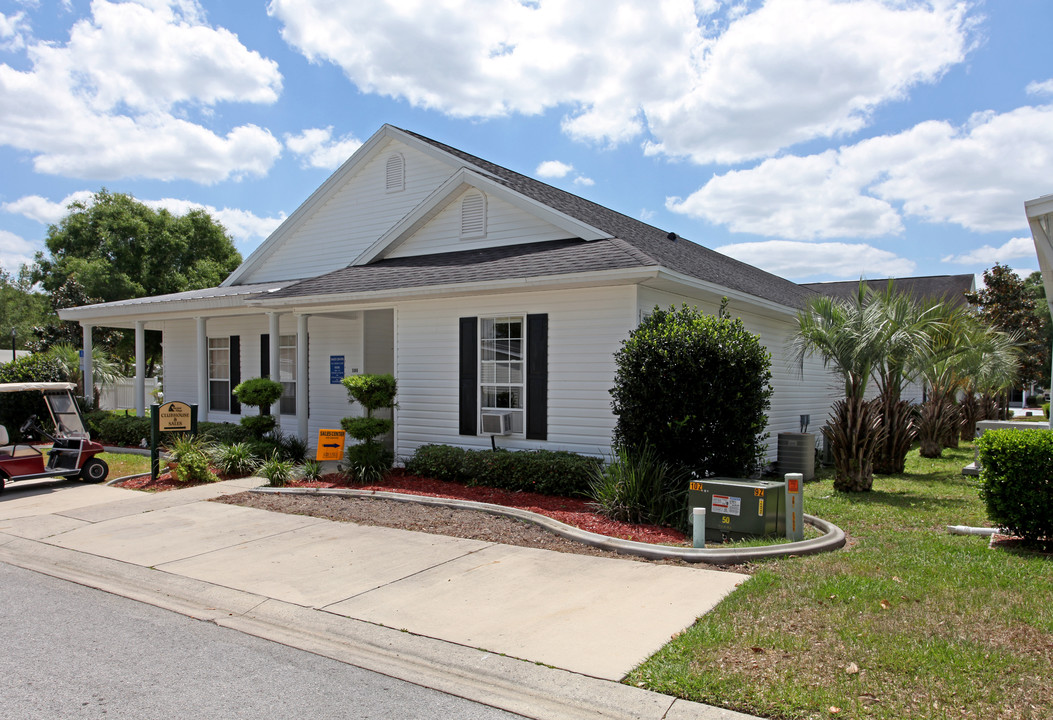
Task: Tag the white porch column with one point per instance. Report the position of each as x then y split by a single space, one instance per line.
1040 219
272 348
202 370
86 364
140 368
302 389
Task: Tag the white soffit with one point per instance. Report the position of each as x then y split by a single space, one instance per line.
1040 219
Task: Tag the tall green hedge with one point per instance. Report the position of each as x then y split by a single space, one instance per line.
1016 481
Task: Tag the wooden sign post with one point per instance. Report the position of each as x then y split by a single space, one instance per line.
174 416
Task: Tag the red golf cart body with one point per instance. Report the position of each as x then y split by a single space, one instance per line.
72 454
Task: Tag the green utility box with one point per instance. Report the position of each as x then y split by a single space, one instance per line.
737 509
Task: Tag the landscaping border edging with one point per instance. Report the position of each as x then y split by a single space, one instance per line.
833 538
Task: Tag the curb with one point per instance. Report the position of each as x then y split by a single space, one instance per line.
833 538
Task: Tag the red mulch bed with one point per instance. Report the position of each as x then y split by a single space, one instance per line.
571 511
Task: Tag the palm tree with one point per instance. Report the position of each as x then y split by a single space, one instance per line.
849 336
962 353
906 327
104 369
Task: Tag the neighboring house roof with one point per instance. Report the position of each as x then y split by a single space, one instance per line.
950 288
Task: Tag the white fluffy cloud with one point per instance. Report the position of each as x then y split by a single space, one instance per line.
821 261
13 31
988 255
245 227
973 176
84 110
710 86
553 169
318 148
43 210
15 251
1040 88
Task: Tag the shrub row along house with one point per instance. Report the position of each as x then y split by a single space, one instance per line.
485 292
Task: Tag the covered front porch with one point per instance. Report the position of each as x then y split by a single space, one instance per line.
211 341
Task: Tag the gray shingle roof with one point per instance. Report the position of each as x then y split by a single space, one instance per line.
931 287
681 256
555 257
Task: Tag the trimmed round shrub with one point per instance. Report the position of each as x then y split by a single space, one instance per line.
696 388
1016 481
439 462
259 392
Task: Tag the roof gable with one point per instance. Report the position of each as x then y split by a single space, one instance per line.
434 225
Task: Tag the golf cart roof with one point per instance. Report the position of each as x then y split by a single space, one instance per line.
40 386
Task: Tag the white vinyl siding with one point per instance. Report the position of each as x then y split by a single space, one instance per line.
353 218
585 328
505 225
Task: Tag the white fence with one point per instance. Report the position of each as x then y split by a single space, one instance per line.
121 396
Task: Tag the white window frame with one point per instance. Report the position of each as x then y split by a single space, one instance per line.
287 374
217 345
502 368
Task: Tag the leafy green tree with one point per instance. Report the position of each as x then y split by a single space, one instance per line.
116 248
696 388
21 309
1037 290
1006 304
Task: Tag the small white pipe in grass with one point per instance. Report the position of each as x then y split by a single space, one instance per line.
966 530
698 522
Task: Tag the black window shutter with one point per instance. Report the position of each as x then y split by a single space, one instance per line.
235 372
469 376
537 377
265 355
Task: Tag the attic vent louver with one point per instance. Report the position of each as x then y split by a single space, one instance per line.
395 173
473 215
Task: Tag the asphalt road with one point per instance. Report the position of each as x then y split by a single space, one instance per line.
73 652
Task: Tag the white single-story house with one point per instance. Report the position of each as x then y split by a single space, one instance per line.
485 292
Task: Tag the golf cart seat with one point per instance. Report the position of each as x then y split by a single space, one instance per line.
8 450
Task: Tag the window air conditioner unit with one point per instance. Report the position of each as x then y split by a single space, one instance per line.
497 423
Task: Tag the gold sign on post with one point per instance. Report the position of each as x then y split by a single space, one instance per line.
174 417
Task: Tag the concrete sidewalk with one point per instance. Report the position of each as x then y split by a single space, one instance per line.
530 631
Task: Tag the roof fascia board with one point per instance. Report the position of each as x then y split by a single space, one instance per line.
232 305
361 156
327 303
443 195
668 280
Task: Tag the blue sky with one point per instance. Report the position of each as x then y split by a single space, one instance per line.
817 139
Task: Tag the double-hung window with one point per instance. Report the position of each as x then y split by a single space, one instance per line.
502 376
219 374
287 374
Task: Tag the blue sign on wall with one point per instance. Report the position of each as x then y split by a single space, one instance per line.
336 369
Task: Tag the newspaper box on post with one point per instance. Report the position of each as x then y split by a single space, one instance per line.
330 445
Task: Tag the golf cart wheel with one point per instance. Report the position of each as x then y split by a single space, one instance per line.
3 480
94 471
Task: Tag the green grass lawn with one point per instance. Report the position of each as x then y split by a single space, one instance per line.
122 464
907 621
